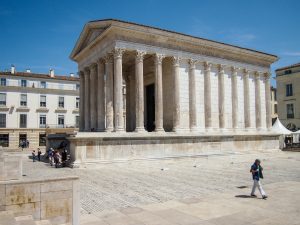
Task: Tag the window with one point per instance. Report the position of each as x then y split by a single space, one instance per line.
77 121
61 102
290 111
43 101
3 81
287 71
61 121
23 120
43 84
23 100
77 87
23 140
275 95
2 120
42 139
43 121
23 83
3 99
77 102
289 90
4 140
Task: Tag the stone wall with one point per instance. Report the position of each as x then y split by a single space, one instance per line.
10 167
56 200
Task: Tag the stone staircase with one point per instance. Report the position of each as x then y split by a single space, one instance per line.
8 218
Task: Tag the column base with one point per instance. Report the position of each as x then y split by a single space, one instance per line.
159 130
119 130
109 129
140 130
209 129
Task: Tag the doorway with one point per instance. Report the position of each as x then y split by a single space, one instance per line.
150 108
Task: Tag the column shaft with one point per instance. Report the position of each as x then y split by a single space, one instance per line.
221 97
87 123
81 102
257 101
158 94
139 91
234 96
93 96
101 97
118 90
207 95
247 119
192 96
109 93
268 100
176 112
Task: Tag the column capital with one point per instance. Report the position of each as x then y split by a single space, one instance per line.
139 55
87 70
235 69
159 58
100 61
267 75
175 60
246 71
108 58
221 68
257 74
192 63
93 66
118 52
207 66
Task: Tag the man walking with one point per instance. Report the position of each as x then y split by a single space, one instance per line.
256 171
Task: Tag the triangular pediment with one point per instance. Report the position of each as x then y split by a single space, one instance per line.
91 36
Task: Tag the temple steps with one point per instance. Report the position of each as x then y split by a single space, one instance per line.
8 218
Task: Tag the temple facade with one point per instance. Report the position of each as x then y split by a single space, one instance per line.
176 85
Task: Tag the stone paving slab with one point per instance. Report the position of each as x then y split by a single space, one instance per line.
209 190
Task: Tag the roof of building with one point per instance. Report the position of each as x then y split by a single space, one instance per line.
40 75
174 32
289 67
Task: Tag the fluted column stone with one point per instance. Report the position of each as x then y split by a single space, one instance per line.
118 90
221 97
176 91
257 101
87 123
93 96
81 101
234 97
247 117
139 91
207 95
158 93
109 93
268 100
100 96
192 95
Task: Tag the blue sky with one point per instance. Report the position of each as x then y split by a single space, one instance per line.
41 34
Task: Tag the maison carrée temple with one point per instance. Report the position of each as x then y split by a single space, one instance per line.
151 93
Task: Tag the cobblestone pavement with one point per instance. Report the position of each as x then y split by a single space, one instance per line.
203 190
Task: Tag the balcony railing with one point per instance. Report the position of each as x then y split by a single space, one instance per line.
54 126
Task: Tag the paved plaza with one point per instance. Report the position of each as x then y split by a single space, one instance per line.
208 190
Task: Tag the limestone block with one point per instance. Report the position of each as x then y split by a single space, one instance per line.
46 196
22 193
58 211
56 186
2 195
25 209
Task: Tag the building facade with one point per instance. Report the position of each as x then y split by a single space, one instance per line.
274 109
175 83
32 105
288 95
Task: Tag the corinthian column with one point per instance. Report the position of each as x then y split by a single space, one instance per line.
139 91
192 95
268 100
176 112
207 95
221 96
87 123
109 92
93 96
100 97
257 101
234 96
118 94
81 103
246 100
158 93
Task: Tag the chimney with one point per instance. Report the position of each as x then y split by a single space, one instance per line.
28 71
71 74
12 69
51 72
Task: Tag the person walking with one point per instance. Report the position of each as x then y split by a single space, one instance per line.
256 170
56 157
39 154
51 156
33 156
